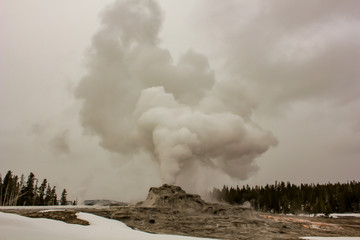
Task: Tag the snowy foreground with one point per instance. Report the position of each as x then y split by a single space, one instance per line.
15 227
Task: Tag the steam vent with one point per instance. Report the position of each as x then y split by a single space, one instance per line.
173 198
169 196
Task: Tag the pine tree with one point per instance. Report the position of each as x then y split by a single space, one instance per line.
63 200
48 197
41 193
18 193
9 189
35 191
28 191
54 196
20 197
6 188
14 193
309 198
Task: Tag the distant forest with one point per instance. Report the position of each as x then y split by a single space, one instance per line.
289 198
15 191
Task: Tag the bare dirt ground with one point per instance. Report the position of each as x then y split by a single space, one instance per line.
170 210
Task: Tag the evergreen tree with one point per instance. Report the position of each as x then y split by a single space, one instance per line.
6 188
14 192
54 196
48 196
28 191
285 198
63 200
41 193
20 199
35 193
9 188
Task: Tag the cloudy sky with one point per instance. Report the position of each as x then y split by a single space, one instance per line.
108 98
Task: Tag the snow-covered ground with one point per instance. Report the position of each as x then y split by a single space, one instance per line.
55 207
337 215
333 215
331 238
15 227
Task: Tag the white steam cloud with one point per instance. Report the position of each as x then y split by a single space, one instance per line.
136 99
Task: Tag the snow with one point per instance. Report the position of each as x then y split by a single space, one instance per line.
331 238
14 227
52 210
337 215
333 215
55 207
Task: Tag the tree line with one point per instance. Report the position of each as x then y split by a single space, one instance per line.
289 198
15 191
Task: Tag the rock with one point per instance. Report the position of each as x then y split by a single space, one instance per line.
169 196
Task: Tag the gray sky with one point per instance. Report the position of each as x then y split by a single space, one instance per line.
278 79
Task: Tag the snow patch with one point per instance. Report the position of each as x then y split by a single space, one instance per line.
332 215
54 207
331 238
339 215
52 210
14 227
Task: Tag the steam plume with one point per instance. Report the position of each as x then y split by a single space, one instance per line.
59 143
136 99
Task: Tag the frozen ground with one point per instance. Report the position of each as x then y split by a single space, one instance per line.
15 227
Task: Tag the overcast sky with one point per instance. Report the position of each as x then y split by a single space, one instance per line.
109 98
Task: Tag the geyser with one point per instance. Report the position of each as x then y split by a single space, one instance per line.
135 98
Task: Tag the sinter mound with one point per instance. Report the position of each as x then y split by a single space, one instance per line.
169 196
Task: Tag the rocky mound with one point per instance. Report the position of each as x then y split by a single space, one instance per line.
168 196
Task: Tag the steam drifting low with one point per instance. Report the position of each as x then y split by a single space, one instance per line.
135 98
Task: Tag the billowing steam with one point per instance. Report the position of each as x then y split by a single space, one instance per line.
136 99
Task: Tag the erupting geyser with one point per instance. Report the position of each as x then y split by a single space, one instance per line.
136 99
